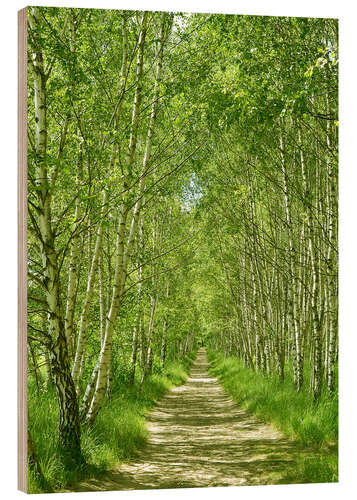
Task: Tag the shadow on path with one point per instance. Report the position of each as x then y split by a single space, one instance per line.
199 437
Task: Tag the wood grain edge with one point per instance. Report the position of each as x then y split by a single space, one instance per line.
22 251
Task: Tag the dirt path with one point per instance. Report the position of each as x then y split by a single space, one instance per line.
199 437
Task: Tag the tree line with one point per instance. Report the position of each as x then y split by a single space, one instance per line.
270 199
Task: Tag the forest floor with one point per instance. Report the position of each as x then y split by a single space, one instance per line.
199 437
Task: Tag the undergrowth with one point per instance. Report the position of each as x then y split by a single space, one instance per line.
118 432
312 425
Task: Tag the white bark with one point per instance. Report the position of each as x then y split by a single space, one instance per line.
83 328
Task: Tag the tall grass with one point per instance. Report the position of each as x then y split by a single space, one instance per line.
310 424
118 432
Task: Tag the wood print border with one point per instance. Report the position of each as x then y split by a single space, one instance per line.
22 250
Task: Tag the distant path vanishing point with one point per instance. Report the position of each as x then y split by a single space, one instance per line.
199 437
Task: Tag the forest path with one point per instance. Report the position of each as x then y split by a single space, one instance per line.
199 437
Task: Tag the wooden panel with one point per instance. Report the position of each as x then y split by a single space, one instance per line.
22 249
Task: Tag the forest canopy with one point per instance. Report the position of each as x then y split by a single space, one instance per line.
182 191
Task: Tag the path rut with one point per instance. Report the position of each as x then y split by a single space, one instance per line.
199 437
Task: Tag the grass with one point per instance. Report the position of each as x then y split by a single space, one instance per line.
312 425
118 432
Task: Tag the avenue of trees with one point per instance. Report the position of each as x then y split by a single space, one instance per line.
182 188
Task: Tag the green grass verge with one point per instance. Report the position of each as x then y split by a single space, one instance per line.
118 432
311 425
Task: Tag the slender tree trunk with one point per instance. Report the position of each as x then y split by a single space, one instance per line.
292 292
36 371
136 330
316 380
163 351
150 344
83 328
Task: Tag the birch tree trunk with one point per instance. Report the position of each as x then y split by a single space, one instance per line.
69 430
83 328
137 324
74 265
292 292
332 277
150 349
316 380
